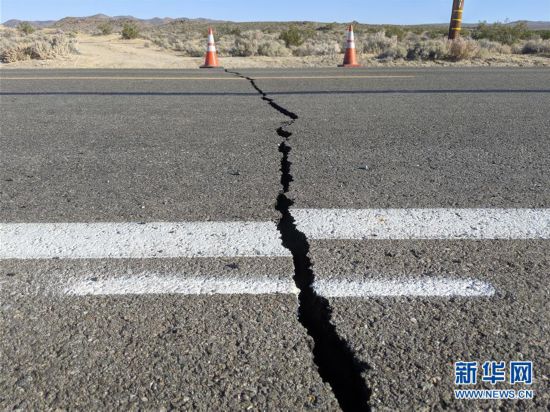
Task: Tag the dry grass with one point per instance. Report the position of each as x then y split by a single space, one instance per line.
15 46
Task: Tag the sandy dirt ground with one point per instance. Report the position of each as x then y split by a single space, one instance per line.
111 52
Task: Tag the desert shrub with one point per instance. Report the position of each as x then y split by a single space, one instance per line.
436 33
318 48
377 42
245 47
394 52
295 36
146 44
428 50
174 41
11 52
161 42
224 44
235 31
231 31
536 46
463 49
130 31
25 27
192 49
51 47
105 28
247 43
502 33
396 31
411 37
7 34
436 49
273 48
39 47
494 47
327 27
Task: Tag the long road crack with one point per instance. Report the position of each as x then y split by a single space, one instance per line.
336 362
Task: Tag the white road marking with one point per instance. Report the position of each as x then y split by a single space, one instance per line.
419 287
152 283
256 239
135 240
156 284
423 223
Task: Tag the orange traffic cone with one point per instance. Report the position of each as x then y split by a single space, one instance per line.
211 59
350 58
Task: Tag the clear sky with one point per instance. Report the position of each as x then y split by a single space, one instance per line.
364 11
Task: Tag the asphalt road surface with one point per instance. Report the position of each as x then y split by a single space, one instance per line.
272 239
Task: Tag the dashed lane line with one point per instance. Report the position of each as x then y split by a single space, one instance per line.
153 283
405 287
150 283
139 240
442 224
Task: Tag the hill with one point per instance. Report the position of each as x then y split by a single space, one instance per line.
41 24
89 23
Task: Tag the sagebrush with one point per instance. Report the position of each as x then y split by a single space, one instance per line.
37 45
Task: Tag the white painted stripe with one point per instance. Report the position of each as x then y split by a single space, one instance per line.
151 283
156 284
135 240
218 239
422 287
423 223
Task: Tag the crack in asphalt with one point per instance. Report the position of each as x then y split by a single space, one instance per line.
334 358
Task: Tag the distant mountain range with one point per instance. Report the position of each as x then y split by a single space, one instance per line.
68 23
538 25
40 23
